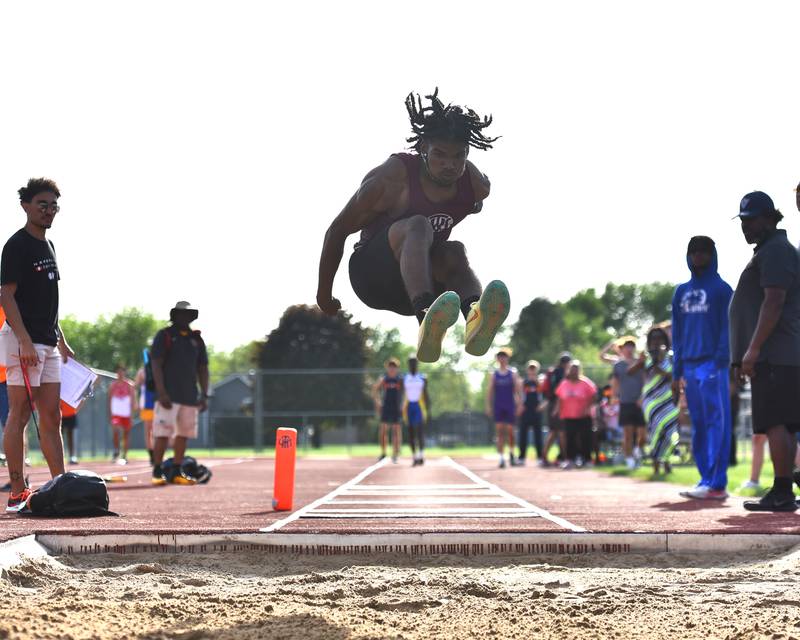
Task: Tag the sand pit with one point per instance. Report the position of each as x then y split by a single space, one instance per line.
259 596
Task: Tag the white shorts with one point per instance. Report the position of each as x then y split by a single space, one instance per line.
47 371
180 420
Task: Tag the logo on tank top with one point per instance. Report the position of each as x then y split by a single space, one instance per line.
441 222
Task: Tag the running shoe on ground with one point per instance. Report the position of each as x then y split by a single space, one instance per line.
485 318
772 501
717 494
567 465
749 485
122 462
394 459
381 457
700 492
73 459
502 463
439 317
158 479
17 502
179 477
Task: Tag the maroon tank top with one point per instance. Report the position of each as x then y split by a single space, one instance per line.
443 216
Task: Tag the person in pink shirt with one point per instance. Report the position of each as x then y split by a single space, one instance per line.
576 396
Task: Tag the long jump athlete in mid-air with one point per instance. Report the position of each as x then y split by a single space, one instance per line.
405 210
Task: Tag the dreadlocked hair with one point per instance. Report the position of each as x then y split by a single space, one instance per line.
451 122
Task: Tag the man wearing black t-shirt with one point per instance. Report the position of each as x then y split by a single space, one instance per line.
180 373
32 345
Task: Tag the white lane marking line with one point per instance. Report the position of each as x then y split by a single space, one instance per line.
428 501
421 487
422 494
442 510
327 498
429 514
561 522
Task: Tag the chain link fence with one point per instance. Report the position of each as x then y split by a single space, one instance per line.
326 406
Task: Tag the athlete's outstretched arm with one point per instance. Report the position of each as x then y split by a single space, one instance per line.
480 186
363 207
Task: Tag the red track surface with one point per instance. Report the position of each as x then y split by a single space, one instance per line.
238 500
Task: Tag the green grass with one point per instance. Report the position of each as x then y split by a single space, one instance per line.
681 474
328 451
686 474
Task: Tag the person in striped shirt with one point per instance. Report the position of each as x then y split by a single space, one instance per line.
660 410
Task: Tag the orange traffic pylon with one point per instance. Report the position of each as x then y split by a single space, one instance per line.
285 454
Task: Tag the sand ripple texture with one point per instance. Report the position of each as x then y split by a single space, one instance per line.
237 596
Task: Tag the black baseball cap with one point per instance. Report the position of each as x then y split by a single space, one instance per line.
756 203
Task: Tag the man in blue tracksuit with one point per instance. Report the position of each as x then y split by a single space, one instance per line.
701 362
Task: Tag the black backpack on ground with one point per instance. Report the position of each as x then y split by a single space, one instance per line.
71 494
190 468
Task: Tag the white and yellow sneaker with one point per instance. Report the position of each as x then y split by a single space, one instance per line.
486 317
439 317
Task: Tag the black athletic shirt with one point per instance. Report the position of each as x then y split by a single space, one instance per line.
391 391
531 388
30 263
183 355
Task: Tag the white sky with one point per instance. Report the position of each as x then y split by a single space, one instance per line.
202 148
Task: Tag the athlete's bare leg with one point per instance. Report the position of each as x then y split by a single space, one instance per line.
451 268
396 440
411 240
383 430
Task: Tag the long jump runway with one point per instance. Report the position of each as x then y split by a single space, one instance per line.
462 505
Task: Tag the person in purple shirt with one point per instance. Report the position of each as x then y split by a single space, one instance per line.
504 403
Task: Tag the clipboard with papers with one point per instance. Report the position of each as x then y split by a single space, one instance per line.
77 381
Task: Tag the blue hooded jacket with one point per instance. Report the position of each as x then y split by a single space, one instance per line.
700 319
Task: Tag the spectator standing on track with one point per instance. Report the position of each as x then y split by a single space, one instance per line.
531 417
576 397
386 393
609 430
69 422
180 371
765 341
3 392
627 389
32 345
147 403
121 405
504 404
701 356
660 409
555 430
416 408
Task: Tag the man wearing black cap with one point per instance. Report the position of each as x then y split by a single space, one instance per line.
765 341
180 362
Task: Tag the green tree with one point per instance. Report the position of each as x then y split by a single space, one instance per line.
241 359
109 341
308 339
383 344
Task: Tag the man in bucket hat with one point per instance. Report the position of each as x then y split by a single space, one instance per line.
180 373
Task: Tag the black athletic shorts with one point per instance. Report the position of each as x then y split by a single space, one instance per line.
375 276
630 414
530 419
390 414
776 397
69 422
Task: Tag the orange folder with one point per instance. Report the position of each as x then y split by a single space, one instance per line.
285 454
